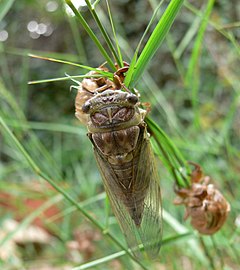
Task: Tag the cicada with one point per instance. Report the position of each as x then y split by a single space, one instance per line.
121 144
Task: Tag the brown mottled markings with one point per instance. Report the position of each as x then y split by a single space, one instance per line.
123 153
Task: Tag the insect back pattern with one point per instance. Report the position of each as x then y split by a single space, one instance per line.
125 159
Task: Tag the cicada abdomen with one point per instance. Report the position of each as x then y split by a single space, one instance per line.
124 156
205 204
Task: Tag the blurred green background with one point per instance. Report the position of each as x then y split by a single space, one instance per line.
192 84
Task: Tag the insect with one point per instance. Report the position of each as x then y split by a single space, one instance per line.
204 203
122 149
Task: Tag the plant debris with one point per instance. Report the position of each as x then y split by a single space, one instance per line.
205 204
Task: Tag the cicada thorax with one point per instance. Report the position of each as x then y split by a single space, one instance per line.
205 204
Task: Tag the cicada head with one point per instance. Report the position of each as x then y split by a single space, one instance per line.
111 109
87 89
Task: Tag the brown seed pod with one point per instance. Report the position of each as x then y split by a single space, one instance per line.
205 204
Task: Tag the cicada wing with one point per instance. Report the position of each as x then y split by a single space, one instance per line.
150 230
115 196
145 181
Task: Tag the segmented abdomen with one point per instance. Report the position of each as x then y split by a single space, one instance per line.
121 149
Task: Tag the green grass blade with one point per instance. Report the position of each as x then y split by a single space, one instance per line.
5 5
170 155
149 24
119 59
181 229
104 33
91 34
104 73
18 146
71 209
168 240
192 76
156 39
25 52
187 37
5 68
23 87
77 40
220 29
53 127
11 109
65 78
172 49
95 3
130 72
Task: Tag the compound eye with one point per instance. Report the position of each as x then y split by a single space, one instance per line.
133 99
86 107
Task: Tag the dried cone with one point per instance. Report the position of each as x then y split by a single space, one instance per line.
205 205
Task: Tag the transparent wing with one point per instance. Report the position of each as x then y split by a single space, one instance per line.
146 233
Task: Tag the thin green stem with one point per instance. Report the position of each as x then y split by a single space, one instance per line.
53 127
156 39
205 249
104 32
91 34
119 60
226 34
172 156
5 5
192 75
66 78
130 72
78 40
104 73
123 252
